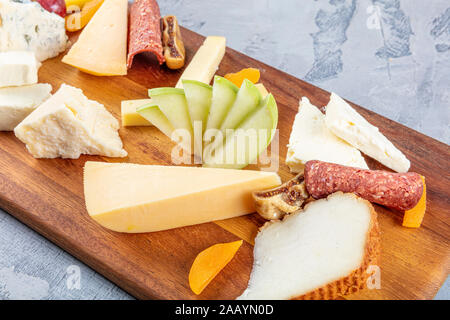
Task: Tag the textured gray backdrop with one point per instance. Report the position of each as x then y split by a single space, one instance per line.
390 56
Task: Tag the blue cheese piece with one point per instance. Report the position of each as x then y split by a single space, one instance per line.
18 68
68 125
27 26
16 103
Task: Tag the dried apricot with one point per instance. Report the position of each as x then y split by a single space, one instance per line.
413 217
237 78
209 263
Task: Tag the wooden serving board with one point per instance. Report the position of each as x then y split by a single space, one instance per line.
47 195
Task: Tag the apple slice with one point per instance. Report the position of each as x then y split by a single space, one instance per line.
249 140
223 96
153 114
172 102
198 96
247 100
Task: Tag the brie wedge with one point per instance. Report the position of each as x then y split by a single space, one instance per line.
349 125
18 102
311 140
68 125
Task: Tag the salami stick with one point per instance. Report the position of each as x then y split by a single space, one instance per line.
401 191
145 30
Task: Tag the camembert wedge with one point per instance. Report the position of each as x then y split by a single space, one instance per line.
350 126
136 198
68 125
321 252
311 140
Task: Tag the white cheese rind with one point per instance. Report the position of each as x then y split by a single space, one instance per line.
68 125
311 140
349 125
18 68
16 103
27 26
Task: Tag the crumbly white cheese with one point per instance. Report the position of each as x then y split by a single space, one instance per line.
18 68
18 102
68 125
349 125
27 26
311 140
310 249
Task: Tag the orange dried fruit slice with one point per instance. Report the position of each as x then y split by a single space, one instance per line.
413 217
237 78
78 20
209 263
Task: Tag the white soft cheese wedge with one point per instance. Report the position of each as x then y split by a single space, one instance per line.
18 68
311 140
349 125
205 62
134 198
18 102
331 239
68 125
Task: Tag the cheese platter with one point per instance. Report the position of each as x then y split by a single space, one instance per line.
96 168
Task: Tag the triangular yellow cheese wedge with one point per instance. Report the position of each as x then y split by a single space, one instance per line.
101 49
135 198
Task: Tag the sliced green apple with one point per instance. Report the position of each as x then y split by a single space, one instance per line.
223 96
153 114
198 96
247 100
172 102
248 141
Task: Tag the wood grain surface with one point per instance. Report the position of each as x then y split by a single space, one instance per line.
47 195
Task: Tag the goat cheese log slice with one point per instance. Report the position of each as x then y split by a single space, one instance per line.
400 191
321 252
68 125
145 30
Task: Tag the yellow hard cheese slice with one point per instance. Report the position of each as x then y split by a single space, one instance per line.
135 198
205 62
130 117
101 48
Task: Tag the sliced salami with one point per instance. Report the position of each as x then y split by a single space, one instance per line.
401 191
145 30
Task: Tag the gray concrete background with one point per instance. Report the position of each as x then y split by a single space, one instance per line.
390 56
